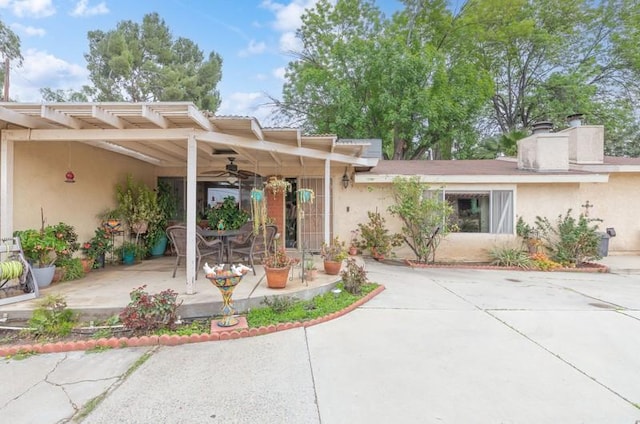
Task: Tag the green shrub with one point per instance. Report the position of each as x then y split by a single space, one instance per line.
52 318
570 241
353 277
510 256
148 312
72 268
423 215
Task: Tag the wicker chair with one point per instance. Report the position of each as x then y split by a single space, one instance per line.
253 245
177 234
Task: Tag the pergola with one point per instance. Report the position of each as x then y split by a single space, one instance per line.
170 135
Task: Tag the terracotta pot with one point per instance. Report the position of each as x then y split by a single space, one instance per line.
87 265
311 274
353 250
332 267
58 275
277 277
377 255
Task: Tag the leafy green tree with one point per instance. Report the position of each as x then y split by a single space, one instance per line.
361 75
423 216
550 59
143 62
59 95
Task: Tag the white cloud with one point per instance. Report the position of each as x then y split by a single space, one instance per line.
261 77
253 49
41 69
29 31
288 20
246 104
83 9
29 8
280 73
288 15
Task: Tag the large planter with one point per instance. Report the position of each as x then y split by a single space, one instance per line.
44 276
277 277
332 267
128 257
160 246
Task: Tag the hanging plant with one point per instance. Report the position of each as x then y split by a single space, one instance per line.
258 210
306 195
277 185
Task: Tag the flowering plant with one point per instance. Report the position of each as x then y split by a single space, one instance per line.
41 247
335 251
99 244
277 258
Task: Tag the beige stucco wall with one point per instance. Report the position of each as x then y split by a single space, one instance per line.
351 207
39 182
613 203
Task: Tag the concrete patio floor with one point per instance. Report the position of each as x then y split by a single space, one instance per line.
105 292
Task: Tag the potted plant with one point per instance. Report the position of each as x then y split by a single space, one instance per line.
137 205
277 266
130 252
96 248
227 215
156 238
276 184
353 244
310 270
111 220
375 236
41 248
64 256
333 253
306 195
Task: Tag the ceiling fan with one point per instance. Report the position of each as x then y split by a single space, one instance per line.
231 171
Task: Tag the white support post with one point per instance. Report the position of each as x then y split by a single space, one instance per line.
327 201
6 187
192 151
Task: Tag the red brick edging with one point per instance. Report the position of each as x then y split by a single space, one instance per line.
590 267
174 339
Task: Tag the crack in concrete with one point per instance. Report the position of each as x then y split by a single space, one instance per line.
313 379
541 346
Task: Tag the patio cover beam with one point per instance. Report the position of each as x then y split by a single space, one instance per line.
269 146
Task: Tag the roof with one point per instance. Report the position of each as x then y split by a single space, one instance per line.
156 132
471 171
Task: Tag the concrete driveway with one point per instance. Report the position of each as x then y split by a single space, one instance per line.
438 346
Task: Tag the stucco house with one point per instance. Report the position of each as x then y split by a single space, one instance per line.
192 150
553 172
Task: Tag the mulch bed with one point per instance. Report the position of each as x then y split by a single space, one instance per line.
585 267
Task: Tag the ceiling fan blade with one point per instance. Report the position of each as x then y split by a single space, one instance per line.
214 173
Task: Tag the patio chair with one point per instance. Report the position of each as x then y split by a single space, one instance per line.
254 245
178 236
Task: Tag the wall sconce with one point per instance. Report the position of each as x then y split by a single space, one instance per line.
346 179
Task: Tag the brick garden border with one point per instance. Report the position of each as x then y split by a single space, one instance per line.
590 267
174 339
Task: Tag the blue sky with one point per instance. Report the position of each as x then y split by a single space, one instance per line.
252 36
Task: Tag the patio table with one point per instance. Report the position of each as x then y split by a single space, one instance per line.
223 235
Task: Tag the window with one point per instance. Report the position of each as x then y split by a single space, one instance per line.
488 211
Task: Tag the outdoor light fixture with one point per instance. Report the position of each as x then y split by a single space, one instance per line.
70 177
345 179
232 179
